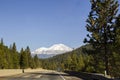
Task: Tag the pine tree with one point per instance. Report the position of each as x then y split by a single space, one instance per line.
68 62
80 62
115 57
74 61
36 60
29 58
15 56
117 24
22 59
32 66
4 56
2 43
100 24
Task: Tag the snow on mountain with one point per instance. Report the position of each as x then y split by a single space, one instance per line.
51 51
60 47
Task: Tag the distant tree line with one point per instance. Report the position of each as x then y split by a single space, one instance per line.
82 59
10 58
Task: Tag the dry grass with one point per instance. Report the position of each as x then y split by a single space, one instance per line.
9 72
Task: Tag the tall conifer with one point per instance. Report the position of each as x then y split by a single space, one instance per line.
100 25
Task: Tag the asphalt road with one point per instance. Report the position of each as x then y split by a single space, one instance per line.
42 75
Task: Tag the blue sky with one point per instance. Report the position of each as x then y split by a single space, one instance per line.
42 23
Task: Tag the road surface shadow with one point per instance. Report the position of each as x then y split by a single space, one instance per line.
52 74
86 76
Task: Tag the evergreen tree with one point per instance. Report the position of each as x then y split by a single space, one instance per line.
22 59
74 61
117 42
68 62
9 58
36 60
15 56
115 57
29 58
32 66
5 58
2 43
2 60
80 62
101 26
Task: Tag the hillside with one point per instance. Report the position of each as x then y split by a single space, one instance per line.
82 59
74 60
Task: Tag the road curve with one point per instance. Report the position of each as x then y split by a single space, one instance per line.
41 75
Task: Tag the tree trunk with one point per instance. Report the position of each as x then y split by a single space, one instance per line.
106 61
22 70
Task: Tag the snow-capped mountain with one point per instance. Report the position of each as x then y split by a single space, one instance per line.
51 51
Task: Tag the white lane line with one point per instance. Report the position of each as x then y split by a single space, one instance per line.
61 76
25 76
38 76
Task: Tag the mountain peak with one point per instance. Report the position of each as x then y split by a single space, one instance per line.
61 47
52 51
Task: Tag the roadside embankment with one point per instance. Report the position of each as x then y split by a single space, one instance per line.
87 76
9 72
